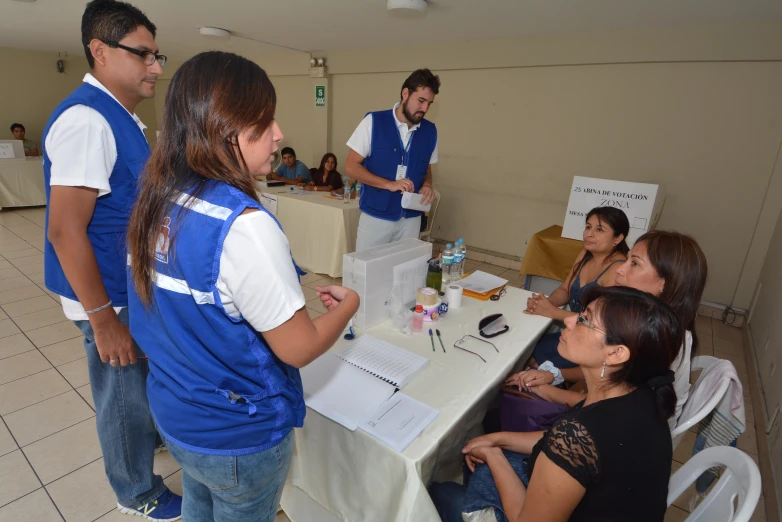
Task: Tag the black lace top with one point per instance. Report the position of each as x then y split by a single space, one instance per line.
620 451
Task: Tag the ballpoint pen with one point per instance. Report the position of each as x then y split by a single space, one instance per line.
440 339
431 338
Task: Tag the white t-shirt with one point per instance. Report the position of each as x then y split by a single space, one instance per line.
361 140
81 147
681 383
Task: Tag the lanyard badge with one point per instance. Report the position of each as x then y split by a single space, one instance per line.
401 170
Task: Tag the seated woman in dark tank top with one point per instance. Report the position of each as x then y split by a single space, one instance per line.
604 250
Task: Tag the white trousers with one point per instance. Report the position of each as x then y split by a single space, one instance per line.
374 232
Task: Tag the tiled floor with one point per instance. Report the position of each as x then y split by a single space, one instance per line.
50 462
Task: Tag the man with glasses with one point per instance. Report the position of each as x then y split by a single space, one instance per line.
94 152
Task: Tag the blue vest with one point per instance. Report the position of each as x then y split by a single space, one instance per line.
386 155
107 229
214 384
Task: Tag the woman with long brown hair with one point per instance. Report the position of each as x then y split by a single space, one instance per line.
326 178
225 338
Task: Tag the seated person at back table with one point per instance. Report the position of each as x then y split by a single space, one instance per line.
291 171
30 147
326 178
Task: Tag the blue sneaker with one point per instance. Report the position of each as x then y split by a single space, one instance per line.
166 508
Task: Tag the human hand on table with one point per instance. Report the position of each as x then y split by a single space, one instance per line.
427 194
331 296
538 304
310 187
529 379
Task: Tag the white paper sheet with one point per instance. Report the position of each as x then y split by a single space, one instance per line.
481 282
399 420
342 392
269 202
383 360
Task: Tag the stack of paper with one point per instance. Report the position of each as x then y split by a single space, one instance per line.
481 285
399 420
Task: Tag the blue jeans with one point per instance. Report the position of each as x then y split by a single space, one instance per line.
478 493
220 488
126 430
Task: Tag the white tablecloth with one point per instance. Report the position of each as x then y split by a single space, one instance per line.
320 230
358 478
21 182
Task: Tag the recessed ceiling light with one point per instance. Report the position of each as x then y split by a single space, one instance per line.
407 8
26 1
215 32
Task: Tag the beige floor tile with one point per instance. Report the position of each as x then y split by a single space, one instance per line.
739 362
86 392
37 507
28 306
8 328
20 294
36 388
14 345
14 283
311 277
470 265
7 444
45 418
313 314
316 305
38 278
65 352
683 451
705 344
39 319
511 275
22 365
54 333
309 293
9 245
282 517
32 268
7 273
69 493
16 477
324 281
16 254
65 451
32 259
727 346
675 514
725 331
76 372
51 294
748 441
174 483
703 325
492 269
165 465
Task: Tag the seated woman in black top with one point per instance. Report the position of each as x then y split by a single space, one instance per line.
609 457
326 178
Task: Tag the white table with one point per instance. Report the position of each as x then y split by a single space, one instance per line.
337 474
320 230
21 182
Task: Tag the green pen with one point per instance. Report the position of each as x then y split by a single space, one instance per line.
440 339
431 338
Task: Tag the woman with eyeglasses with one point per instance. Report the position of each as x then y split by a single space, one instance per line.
608 457
216 300
668 265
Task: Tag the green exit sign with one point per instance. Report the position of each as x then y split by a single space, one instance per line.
320 96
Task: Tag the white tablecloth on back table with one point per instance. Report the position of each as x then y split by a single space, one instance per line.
21 182
320 230
358 478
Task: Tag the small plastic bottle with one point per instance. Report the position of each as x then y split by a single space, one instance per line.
418 319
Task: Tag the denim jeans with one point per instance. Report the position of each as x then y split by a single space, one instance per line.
221 488
479 492
126 430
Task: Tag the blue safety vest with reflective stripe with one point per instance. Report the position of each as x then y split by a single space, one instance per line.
214 384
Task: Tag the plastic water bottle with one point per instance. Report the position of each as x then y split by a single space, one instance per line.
463 256
358 191
448 258
456 261
346 195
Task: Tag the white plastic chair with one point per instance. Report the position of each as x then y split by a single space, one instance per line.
733 498
699 363
425 233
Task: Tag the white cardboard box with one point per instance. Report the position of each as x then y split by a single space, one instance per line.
373 272
641 202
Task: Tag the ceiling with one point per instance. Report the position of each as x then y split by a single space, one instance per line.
331 25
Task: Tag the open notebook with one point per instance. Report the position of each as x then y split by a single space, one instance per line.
346 385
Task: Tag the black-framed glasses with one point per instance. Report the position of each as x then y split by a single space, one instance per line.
501 293
466 338
583 320
148 57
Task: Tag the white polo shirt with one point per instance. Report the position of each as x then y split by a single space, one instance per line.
361 140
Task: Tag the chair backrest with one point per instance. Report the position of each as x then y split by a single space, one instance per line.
733 498
425 233
698 363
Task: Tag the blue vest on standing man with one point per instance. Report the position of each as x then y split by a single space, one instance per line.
107 229
386 154
214 385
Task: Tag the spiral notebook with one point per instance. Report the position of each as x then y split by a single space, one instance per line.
346 385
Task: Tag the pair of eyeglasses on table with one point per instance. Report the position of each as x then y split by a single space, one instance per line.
459 342
496 297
